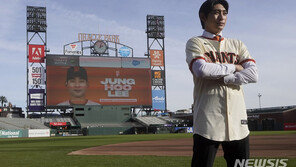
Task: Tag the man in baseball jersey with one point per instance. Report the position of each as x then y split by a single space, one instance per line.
219 66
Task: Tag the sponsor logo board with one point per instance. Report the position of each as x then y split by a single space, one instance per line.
71 49
156 57
135 62
99 62
289 126
158 99
36 76
58 123
36 99
124 51
39 132
36 53
56 60
10 133
157 77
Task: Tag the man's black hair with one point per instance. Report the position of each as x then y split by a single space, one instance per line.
208 6
73 72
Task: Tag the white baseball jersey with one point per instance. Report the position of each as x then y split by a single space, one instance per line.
219 109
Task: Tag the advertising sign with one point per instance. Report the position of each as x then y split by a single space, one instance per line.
156 57
56 60
10 133
135 62
98 86
124 51
36 76
39 132
36 53
157 78
99 62
289 126
58 123
71 49
36 99
158 99
189 129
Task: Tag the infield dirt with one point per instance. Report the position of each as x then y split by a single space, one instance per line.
260 146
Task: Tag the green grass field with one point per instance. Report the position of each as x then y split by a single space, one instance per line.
30 152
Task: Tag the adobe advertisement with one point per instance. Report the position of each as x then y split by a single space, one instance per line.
36 53
156 57
98 86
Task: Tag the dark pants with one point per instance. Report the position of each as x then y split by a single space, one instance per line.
204 151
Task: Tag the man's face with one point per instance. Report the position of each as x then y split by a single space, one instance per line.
77 87
216 20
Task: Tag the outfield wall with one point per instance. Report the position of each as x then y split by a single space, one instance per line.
102 114
24 133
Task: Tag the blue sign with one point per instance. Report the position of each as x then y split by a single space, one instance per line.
189 129
136 62
124 51
158 99
131 62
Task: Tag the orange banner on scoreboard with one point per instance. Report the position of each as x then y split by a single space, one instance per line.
156 57
98 86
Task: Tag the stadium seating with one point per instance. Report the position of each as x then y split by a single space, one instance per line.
55 119
151 121
170 119
20 123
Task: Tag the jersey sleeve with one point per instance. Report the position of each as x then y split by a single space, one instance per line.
193 52
244 55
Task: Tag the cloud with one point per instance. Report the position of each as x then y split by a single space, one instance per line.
267 34
10 15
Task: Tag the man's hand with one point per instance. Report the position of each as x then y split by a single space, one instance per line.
238 68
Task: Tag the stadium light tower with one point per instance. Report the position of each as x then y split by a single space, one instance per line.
259 96
36 53
156 51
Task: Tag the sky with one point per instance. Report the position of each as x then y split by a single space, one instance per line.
267 27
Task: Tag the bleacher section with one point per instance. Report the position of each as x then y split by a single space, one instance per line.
20 123
55 119
151 121
171 120
125 124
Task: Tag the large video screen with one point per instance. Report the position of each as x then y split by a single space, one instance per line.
71 82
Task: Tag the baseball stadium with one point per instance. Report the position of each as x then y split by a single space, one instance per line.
97 104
